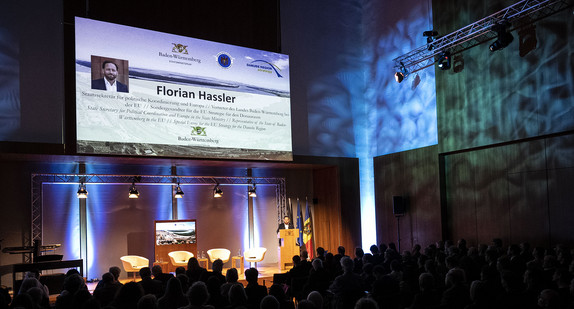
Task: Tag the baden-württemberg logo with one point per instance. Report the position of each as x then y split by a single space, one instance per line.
224 60
179 48
198 131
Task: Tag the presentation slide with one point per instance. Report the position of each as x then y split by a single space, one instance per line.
142 92
175 232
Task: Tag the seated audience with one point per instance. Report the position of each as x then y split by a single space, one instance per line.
128 296
255 292
346 288
173 297
150 285
194 271
106 289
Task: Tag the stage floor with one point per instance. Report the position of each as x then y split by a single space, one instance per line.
266 273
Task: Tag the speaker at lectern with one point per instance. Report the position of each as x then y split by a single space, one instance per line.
288 246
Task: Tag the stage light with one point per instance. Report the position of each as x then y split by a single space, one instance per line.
82 192
430 34
134 193
444 60
178 192
252 192
217 193
504 37
401 74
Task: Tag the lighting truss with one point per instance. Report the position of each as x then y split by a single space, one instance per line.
519 15
39 179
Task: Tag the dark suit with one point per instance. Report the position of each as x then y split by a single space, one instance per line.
282 226
100 84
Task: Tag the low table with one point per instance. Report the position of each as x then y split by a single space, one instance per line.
203 260
234 263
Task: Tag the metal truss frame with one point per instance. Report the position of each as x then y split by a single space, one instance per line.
39 179
518 15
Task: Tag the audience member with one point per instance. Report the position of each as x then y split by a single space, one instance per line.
366 303
194 271
269 302
115 271
346 288
158 274
456 294
173 297
305 304
197 296
318 280
215 298
316 298
106 289
237 297
278 292
128 296
255 292
73 283
217 268
428 297
231 278
150 285
358 260
148 301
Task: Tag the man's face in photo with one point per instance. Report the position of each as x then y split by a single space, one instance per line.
286 220
110 72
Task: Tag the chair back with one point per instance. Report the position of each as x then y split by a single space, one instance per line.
179 258
133 263
254 254
219 253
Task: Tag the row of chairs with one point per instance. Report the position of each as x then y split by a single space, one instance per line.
133 263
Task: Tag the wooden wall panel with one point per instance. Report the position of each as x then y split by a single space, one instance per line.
414 176
527 202
348 184
489 173
327 211
521 192
561 204
461 204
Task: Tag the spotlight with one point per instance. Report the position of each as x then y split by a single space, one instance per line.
430 34
252 192
444 60
134 193
401 74
504 37
217 193
82 192
178 192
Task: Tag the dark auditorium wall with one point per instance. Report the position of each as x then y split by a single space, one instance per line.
504 159
506 122
524 91
414 176
519 192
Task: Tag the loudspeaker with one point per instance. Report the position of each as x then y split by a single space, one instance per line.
398 206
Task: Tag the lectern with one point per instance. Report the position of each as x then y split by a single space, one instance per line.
288 246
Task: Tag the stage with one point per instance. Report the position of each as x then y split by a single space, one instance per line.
266 273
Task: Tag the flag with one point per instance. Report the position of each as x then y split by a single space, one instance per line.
289 211
299 224
308 231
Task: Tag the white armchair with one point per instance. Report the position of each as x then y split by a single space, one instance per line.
179 258
219 253
254 255
133 263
